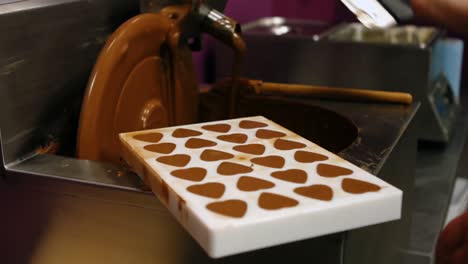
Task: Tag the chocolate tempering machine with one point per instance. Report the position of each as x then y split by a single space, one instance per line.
63 208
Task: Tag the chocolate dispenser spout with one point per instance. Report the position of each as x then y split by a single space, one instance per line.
227 31
220 26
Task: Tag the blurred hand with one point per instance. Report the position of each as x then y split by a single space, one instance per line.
452 14
452 246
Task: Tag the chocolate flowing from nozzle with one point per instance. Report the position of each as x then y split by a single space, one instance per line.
227 31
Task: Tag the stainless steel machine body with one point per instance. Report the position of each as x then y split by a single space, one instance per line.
58 209
349 55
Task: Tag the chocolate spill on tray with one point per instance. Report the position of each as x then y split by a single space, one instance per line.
234 138
215 155
162 148
282 144
197 143
276 162
231 208
293 175
251 184
149 137
309 157
191 174
358 187
269 134
248 124
211 190
271 201
220 128
332 171
229 169
254 149
185 133
318 191
178 160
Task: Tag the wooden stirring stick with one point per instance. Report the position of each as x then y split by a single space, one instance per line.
261 87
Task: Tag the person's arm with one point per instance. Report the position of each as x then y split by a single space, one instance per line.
452 14
452 246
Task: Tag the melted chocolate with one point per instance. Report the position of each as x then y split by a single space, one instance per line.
276 162
163 148
271 201
295 176
231 208
332 171
254 149
269 134
185 133
220 128
234 138
215 155
197 143
229 169
165 192
179 160
238 44
150 137
308 157
282 144
247 124
319 192
192 174
358 187
250 184
210 190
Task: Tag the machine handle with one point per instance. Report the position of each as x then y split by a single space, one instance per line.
261 87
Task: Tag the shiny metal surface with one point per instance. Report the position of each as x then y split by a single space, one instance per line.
64 210
48 49
347 63
371 13
405 35
282 26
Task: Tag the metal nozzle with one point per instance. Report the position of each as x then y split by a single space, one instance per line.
218 25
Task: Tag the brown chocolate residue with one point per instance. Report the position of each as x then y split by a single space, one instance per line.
250 184
308 157
215 155
231 208
192 174
197 143
181 204
229 169
178 160
247 124
358 187
149 137
239 47
271 201
165 192
210 190
254 149
332 171
220 128
276 162
269 134
295 176
163 148
282 144
319 192
185 133
234 138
